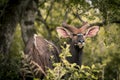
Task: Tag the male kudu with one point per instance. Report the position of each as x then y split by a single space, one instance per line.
40 50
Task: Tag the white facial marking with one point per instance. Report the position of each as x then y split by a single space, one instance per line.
81 45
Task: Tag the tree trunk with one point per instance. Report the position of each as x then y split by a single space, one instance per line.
8 22
27 21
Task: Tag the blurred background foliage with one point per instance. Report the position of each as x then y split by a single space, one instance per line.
102 51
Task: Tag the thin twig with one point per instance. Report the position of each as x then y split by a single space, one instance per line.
66 15
44 22
77 15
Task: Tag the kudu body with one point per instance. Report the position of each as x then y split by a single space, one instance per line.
41 50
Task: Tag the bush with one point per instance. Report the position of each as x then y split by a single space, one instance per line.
67 71
9 67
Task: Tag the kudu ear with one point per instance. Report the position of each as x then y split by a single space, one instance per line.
92 31
63 32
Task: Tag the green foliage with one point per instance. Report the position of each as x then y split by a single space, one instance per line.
104 49
109 9
9 67
66 71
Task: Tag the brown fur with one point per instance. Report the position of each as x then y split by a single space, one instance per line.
41 50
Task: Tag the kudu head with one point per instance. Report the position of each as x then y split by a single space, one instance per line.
77 35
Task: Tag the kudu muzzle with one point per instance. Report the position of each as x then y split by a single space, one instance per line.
80 40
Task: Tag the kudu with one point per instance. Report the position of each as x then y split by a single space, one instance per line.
77 39
40 50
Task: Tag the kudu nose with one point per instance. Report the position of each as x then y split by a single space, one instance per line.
81 41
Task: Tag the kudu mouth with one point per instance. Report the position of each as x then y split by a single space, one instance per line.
80 40
80 44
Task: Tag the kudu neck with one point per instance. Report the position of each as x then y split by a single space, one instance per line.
75 47
76 53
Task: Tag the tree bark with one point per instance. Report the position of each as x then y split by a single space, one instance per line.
8 22
27 21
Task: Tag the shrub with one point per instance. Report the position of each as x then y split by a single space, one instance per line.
67 71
